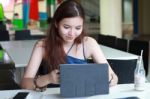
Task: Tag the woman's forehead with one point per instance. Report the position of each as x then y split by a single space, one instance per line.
72 21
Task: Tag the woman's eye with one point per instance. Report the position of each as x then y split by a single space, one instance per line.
66 27
78 28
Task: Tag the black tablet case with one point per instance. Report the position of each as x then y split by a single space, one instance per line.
80 80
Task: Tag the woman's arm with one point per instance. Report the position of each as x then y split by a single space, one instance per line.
32 68
98 57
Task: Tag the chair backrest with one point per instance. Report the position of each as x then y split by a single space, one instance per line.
22 35
1 47
4 35
95 36
124 70
7 81
26 35
135 47
107 40
7 73
36 37
2 27
122 44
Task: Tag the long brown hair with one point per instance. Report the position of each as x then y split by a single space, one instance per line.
54 52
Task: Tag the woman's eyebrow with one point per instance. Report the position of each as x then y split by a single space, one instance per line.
66 25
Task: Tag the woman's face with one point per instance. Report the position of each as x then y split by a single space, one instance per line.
70 28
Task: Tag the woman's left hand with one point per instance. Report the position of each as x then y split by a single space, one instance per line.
114 80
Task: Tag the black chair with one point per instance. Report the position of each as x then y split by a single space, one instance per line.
22 35
95 36
121 44
107 40
2 27
36 37
124 70
7 81
26 35
1 47
4 35
135 47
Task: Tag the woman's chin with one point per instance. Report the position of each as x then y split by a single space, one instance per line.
69 41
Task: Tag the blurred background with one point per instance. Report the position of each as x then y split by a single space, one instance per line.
134 15
119 24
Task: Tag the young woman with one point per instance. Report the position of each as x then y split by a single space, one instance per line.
66 43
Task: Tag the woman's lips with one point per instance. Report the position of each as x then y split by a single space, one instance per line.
70 38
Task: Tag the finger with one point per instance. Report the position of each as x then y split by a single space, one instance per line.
57 71
113 83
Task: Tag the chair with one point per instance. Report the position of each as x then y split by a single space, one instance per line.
124 69
1 47
107 40
7 81
2 27
135 47
22 35
4 35
95 36
36 37
26 35
121 44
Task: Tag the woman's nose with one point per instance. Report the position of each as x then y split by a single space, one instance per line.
71 32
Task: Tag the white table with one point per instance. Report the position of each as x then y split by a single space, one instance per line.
119 91
20 52
111 53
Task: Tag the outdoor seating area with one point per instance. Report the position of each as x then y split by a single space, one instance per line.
48 51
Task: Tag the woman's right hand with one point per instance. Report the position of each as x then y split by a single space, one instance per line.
54 77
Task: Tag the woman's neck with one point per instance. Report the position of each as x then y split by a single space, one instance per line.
68 44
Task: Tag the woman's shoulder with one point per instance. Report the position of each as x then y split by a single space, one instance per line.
89 40
40 43
90 45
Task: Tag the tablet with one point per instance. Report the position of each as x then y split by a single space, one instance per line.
80 80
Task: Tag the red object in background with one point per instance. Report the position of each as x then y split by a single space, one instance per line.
34 10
